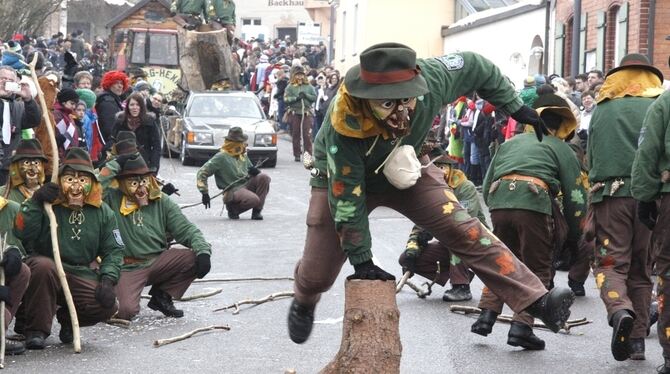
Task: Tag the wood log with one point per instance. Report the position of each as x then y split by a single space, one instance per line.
370 332
205 58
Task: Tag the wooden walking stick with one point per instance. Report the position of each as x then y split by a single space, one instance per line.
52 217
3 245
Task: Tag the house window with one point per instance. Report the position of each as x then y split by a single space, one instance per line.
154 48
355 33
251 21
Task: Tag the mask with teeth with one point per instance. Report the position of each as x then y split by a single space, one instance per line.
394 114
31 171
75 186
136 188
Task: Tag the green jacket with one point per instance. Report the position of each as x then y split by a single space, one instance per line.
14 194
296 104
197 7
653 154
80 244
145 231
229 172
613 136
7 218
224 10
552 161
351 162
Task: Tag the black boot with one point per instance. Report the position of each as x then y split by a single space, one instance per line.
296 158
20 320
521 335
14 348
653 315
458 292
300 321
162 302
256 215
66 335
636 348
622 324
484 324
232 213
665 368
36 340
577 287
553 309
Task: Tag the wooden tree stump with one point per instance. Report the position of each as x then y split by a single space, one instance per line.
205 58
370 331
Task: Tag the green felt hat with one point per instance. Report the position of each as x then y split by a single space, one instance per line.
135 166
638 61
386 71
29 148
77 159
236 135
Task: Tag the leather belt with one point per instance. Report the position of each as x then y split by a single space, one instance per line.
134 260
518 177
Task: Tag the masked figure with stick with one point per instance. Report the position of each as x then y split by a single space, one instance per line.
244 186
26 172
145 216
87 230
299 97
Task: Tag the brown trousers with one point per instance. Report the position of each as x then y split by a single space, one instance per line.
173 272
661 243
432 205
581 265
294 121
44 295
250 196
530 236
17 287
622 260
426 265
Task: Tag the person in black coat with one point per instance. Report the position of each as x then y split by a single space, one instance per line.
135 118
109 102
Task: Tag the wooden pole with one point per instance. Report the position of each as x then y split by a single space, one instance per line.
52 217
2 305
370 331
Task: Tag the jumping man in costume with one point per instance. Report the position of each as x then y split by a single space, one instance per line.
87 230
145 217
189 14
244 185
365 156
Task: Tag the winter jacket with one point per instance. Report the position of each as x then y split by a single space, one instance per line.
107 106
148 138
24 115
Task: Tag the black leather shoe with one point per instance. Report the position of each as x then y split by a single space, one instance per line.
553 309
484 324
300 321
653 315
577 287
459 292
665 368
66 335
636 348
622 325
256 215
521 335
14 348
35 340
162 302
296 158
232 214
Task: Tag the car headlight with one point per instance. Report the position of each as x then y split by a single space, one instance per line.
200 138
265 140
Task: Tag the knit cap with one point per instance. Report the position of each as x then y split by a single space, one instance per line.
87 96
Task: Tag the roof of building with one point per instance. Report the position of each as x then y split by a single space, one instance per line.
140 4
492 15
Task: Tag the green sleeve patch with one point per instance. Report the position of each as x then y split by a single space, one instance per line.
455 260
344 211
577 196
352 122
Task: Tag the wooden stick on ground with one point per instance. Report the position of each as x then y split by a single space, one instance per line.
215 280
270 297
405 281
118 322
52 217
465 310
162 342
192 297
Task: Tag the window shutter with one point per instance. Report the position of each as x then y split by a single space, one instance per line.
559 42
582 42
600 46
622 42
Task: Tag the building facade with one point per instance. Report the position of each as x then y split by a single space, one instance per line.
608 30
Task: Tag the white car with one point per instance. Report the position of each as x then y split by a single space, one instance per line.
198 133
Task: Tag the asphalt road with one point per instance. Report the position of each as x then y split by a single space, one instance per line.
434 339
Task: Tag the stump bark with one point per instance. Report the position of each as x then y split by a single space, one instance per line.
370 331
205 58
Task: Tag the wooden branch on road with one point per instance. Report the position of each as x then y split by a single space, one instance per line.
270 297
222 280
162 342
465 310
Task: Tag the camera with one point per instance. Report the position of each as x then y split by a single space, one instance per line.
12 87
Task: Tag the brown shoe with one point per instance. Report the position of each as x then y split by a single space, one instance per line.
636 348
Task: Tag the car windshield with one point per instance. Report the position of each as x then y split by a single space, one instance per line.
224 106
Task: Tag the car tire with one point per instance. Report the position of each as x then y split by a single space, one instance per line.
183 157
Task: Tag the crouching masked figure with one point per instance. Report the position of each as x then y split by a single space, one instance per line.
87 230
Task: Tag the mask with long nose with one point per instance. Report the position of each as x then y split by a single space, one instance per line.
394 114
136 189
75 187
